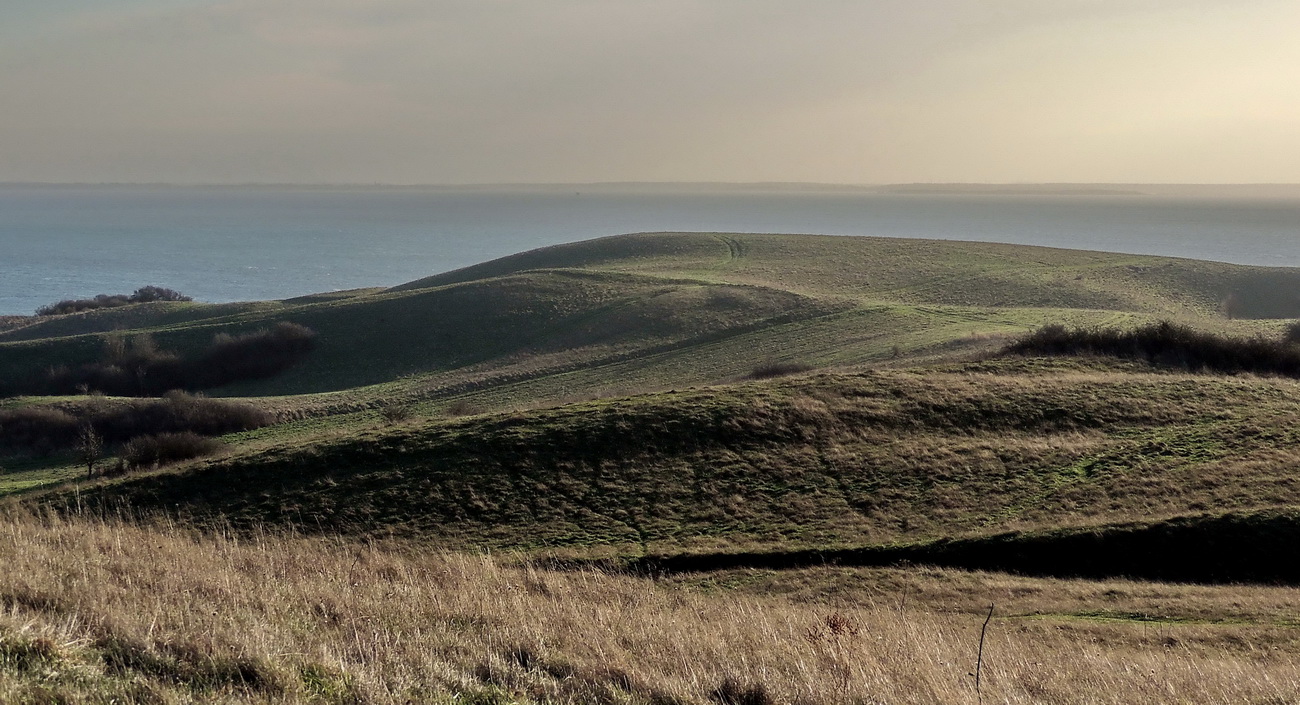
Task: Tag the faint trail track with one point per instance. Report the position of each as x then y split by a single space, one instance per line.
736 247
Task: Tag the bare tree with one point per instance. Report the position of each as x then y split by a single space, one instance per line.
90 448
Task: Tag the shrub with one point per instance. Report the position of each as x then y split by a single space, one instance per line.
1167 344
463 407
179 412
79 305
257 355
1292 333
777 369
395 412
135 367
146 294
165 448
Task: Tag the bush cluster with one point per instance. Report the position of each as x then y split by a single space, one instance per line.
151 451
139 368
38 429
257 355
44 429
180 412
144 294
1170 345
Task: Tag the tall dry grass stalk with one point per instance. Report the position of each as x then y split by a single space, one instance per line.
93 610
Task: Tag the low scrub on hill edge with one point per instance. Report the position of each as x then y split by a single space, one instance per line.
1167 344
138 367
145 294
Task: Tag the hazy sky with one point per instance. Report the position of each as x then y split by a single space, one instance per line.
473 91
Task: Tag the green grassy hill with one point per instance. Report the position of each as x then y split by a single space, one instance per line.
922 272
819 460
603 383
687 308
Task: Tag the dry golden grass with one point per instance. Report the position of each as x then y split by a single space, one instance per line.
100 612
948 591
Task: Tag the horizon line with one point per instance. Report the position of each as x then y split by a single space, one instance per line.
562 184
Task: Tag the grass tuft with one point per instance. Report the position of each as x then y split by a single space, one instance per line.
26 653
734 692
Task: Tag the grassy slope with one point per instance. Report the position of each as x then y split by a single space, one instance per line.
636 313
379 338
650 312
575 305
909 271
815 461
608 317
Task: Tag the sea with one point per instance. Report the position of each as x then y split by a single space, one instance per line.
221 244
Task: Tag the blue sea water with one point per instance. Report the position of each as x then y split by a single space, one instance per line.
235 244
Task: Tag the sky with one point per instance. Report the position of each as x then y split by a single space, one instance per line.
576 91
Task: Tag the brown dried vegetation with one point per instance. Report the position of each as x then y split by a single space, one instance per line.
91 611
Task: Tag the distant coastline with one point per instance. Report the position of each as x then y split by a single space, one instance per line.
1012 189
644 187
1209 191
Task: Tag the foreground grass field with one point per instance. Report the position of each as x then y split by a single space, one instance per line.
94 612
